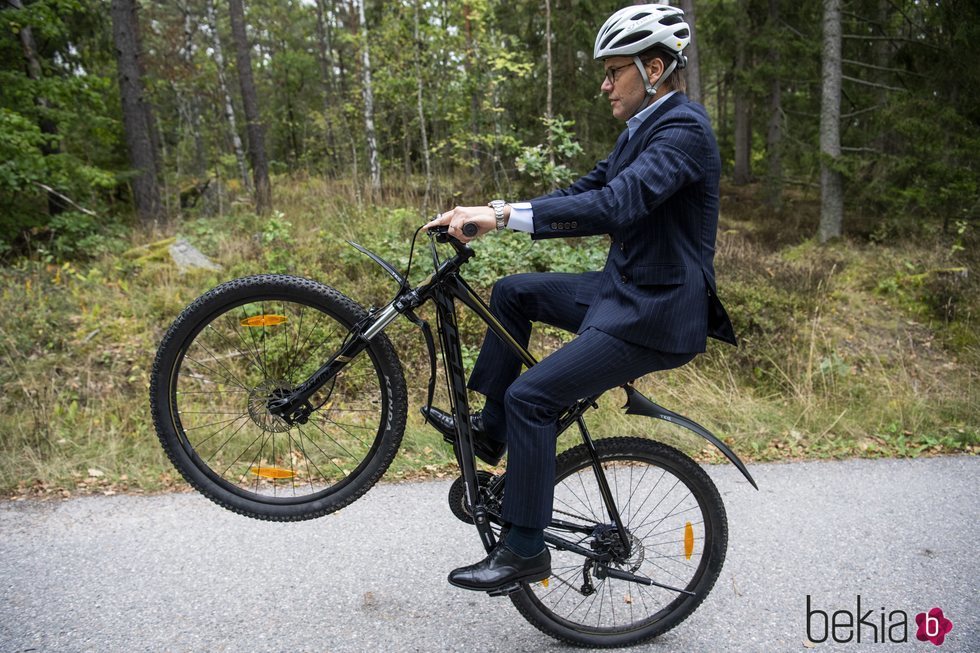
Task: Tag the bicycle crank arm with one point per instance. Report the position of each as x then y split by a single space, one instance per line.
601 571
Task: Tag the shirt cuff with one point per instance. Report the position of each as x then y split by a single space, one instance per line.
521 217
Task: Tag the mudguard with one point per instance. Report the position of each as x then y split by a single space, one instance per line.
638 404
388 267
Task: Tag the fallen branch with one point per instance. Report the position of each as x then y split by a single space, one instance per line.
65 198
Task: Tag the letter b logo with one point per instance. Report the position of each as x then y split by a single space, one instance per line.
810 613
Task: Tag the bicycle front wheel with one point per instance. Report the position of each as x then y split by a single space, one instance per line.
678 534
246 343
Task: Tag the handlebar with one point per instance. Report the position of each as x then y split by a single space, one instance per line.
442 233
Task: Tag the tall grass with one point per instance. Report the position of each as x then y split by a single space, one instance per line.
845 350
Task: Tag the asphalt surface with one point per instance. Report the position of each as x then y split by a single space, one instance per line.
177 573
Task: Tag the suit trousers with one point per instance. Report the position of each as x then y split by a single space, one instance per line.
590 364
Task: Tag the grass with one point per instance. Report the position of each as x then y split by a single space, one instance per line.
852 349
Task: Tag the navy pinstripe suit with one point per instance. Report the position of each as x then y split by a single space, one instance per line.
651 308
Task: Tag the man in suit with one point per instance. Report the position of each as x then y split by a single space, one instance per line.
651 307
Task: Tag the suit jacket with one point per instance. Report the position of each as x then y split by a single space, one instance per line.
656 195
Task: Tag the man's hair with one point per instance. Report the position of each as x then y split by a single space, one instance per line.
677 81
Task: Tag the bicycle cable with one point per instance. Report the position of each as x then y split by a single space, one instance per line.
411 254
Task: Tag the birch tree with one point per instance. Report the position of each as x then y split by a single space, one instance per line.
374 165
229 107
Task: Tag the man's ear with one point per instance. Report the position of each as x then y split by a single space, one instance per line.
655 68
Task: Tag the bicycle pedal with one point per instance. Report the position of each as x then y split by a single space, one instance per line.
505 590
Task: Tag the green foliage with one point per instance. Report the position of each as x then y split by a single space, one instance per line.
277 243
547 164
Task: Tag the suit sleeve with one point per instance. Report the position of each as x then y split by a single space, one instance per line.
669 161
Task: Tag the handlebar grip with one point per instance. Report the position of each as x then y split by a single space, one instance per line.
470 229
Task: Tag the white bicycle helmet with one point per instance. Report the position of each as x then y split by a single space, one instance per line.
636 29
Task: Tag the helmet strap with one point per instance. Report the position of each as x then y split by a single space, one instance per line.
651 89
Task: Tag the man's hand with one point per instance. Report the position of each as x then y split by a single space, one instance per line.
482 216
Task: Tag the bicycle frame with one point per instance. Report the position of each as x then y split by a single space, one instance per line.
444 287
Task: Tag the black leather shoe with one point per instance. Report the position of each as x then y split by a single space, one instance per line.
487 449
502 568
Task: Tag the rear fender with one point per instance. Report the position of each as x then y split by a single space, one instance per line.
638 404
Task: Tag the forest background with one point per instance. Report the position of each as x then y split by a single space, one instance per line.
267 133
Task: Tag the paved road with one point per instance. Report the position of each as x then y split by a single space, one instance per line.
176 573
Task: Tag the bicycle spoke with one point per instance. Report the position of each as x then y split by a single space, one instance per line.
656 507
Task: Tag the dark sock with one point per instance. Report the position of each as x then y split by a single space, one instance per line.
493 420
525 542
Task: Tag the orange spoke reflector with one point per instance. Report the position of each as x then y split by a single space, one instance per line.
545 582
274 472
263 320
688 540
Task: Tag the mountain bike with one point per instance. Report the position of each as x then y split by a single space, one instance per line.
280 398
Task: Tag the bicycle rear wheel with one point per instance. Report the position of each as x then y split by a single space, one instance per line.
678 535
246 343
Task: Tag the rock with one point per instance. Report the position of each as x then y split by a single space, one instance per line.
187 257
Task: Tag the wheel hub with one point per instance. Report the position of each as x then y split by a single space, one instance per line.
258 405
606 540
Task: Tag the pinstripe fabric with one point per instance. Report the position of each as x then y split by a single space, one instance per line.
651 307
656 196
590 364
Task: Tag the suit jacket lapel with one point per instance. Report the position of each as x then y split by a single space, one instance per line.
629 150
613 160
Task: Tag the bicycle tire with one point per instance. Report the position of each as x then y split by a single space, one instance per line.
247 341
623 457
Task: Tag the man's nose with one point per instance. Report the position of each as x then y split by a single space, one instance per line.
606 85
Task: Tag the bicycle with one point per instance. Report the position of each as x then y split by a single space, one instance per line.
280 398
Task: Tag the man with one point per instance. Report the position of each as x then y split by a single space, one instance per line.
652 306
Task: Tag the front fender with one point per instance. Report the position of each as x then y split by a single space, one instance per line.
385 265
638 404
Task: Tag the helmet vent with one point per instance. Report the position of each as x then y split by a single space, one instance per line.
671 20
638 35
639 16
682 33
610 37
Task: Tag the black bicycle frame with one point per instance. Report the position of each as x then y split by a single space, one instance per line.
444 287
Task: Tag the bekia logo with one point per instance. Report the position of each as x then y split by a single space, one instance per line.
933 626
874 626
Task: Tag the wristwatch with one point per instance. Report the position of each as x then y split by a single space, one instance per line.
498 212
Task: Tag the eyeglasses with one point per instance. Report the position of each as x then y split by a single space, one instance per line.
611 72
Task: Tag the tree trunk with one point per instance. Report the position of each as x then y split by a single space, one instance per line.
374 165
743 124
229 110
190 100
548 110
137 117
774 179
831 181
250 102
47 126
418 97
324 59
693 59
